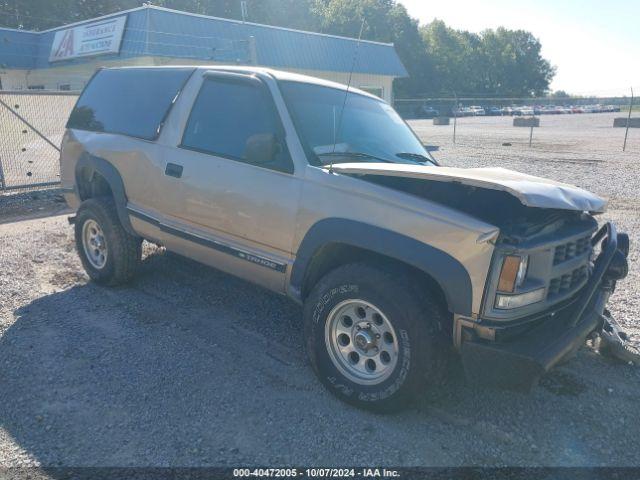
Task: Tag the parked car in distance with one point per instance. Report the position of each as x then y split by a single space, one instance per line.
396 261
550 110
523 111
493 111
477 111
462 112
427 111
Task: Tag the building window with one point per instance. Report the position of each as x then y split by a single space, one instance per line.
65 87
377 91
35 87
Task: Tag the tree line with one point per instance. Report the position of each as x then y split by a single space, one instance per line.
441 61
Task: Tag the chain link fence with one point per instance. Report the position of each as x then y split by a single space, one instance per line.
31 129
571 124
32 125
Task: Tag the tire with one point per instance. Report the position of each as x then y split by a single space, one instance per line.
97 218
416 321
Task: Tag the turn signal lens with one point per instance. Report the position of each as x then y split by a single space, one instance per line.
509 273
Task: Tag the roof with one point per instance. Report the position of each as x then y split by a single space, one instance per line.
162 32
250 69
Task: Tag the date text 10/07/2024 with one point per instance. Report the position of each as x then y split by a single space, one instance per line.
316 472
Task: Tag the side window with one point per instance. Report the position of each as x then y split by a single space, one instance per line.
226 114
128 101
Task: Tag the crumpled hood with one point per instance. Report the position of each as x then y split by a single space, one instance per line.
531 191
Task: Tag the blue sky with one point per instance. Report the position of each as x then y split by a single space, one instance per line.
595 45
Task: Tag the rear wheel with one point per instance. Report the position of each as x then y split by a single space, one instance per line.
110 255
372 337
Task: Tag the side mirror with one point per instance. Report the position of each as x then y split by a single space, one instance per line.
261 148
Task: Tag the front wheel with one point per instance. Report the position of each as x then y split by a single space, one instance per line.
373 338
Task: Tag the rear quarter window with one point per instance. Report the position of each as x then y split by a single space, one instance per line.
131 102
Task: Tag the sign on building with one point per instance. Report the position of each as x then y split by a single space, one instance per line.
96 38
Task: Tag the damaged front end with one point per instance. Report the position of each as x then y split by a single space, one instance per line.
552 273
516 354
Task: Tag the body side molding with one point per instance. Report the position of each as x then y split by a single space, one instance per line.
211 243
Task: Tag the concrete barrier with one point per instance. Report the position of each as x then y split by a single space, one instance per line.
441 120
622 122
526 122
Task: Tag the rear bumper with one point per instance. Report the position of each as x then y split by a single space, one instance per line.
499 359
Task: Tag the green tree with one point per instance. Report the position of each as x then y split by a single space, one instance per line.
495 62
385 21
513 64
439 59
451 54
284 13
43 14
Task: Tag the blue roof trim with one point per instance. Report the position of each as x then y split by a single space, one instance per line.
18 49
157 31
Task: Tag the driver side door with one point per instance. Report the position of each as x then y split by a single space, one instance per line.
240 211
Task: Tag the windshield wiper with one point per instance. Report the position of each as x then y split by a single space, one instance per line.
416 156
358 155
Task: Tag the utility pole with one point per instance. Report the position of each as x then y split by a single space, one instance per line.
626 133
455 116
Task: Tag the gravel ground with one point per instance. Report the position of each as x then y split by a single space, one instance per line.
35 204
191 367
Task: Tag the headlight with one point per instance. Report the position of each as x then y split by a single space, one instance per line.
506 302
522 270
513 272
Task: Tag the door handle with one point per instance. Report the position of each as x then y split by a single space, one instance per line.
173 170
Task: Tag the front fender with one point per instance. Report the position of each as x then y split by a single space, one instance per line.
448 272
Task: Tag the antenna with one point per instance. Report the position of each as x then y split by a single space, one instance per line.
244 10
346 93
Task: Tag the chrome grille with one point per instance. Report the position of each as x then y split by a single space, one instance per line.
567 282
569 250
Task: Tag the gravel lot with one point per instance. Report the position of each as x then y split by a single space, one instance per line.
191 367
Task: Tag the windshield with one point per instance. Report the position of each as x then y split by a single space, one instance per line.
370 130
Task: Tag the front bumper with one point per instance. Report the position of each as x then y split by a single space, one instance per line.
494 356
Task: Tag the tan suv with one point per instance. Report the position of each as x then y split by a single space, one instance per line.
324 194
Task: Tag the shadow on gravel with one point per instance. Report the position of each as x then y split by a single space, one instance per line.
192 367
31 205
145 374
